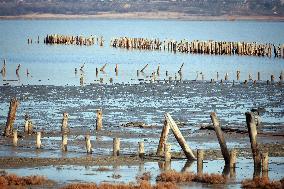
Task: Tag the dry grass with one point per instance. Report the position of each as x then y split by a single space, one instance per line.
145 176
176 177
14 180
263 183
140 185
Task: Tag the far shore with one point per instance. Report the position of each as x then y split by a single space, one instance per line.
144 15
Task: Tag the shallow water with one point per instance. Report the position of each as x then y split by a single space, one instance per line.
55 64
72 173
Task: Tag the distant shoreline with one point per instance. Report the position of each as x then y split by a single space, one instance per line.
143 15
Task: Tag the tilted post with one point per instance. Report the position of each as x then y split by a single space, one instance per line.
163 138
14 103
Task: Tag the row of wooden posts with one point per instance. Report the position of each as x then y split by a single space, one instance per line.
210 47
164 148
72 40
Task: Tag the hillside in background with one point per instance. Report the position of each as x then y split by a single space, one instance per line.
189 7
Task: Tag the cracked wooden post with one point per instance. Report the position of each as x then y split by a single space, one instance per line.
220 137
14 103
142 70
116 146
64 126
264 158
200 156
253 140
99 122
163 138
15 138
88 144
167 149
141 151
64 142
186 149
233 157
38 140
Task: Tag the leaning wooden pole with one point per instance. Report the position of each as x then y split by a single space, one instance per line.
253 135
220 137
142 70
163 138
14 103
186 149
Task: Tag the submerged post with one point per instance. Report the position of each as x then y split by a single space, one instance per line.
220 137
254 146
64 143
141 151
99 122
14 103
163 138
186 149
200 156
88 144
116 146
233 157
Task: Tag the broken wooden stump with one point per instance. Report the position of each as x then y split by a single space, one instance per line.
38 140
141 151
15 138
200 156
233 158
99 121
30 127
88 144
64 142
163 138
264 158
64 126
220 137
116 147
14 103
179 137
251 125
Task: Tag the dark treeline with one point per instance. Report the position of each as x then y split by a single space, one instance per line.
191 7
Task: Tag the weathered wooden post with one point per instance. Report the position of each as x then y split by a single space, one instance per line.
64 142
88 144
26 129
238 75
158 70
167 150
38 140
264 158
200 156
220 137
99 122
186 149
116 146
30 127
141 150
163 138
116 70
97 72
258 76
137 73
281 77
14 103
233 157
64 126
272 78
103 68
250 120
15 138
226 77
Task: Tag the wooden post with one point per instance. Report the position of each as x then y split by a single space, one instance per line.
238 75
272 78
88 144
258 76
15 138
264 158
163 138
110 80
64 142
38 140
116 146
26 129
14 103
30 127
99 122
200 156
64 126
97 72
226 77
233 157
137 73
116 69
167 150
186 149
141 151
220 137
142 70
158 70
253 140
103 68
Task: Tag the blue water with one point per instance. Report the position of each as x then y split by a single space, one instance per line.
55 64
